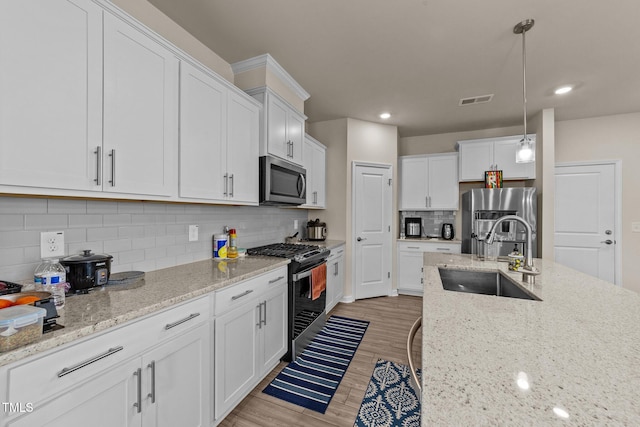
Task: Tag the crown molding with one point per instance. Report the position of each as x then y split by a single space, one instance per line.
272 65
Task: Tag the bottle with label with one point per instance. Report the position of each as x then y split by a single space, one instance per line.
233 248
50 276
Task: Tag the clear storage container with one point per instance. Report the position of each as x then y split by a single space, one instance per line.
20 325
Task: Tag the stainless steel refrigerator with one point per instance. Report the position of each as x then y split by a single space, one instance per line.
481 207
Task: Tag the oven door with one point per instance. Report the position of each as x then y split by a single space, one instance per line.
281 183
306 315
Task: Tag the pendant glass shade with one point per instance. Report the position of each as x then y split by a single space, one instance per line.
526 152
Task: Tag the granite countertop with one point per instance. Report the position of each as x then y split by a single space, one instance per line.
112 305
578 350
429 239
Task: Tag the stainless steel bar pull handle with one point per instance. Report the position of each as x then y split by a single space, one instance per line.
276 279
335 273
235 297
265 313
259 324
179 322
226 184
67 371
231 186
98 164
138 404
113 167
152 394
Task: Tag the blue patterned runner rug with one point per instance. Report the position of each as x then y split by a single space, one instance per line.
389 400
311 380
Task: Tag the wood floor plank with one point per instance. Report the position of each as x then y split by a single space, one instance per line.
390 320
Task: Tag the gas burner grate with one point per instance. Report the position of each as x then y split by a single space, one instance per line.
286 250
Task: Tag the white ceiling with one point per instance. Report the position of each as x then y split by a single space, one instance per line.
417 58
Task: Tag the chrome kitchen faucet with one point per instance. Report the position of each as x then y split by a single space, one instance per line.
529 272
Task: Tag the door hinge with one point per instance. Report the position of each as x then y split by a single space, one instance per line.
388 275
422 281
389 228
390 182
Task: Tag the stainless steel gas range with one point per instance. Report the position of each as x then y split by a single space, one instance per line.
306 315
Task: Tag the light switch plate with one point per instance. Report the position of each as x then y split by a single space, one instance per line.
193 233
295 224
52 244
635 227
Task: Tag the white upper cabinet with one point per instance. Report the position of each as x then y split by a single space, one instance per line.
480 155
282 133
315 165
243 139
218 140
140 111
50 93
429 182
203 102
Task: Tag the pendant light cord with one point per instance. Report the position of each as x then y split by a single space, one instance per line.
524 84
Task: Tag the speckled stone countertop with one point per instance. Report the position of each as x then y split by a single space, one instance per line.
577 350
112 305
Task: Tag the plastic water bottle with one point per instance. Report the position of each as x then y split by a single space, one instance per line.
50 276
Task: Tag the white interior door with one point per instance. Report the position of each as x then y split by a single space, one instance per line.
585 219
371 212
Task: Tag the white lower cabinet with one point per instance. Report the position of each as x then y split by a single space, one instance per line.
152 372
411 262
335 277
250 336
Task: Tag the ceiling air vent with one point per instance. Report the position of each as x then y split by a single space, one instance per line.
476 100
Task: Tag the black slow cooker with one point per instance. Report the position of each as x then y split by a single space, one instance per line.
87 270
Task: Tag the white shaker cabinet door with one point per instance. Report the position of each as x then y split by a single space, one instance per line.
50 93
140 112
413 183
504 155
177 381
475 158
410 262
273 335
243 141
277 142
443 182
203 136
295 134
106 400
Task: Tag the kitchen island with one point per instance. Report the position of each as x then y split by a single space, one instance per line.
571 359
112 305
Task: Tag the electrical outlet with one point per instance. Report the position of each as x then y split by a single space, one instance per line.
635 227
51 244
295 224
193 233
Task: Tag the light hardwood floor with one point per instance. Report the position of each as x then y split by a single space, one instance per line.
391 318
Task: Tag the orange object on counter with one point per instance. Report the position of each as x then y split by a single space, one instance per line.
318 281
4 303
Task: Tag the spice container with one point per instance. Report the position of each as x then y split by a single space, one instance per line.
20 325
516 261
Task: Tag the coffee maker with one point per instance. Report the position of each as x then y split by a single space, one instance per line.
413 227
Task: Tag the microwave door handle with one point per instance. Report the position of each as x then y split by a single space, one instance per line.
302 185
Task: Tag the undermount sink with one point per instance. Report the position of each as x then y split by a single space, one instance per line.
483 282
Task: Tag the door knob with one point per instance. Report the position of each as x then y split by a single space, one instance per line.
608 241
359 239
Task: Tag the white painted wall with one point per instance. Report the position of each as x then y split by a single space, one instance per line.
611 138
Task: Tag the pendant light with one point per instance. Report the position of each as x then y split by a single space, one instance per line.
526 152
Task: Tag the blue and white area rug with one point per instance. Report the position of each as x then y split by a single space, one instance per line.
389 400
311 380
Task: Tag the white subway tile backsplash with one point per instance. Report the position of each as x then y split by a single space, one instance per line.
102 207
11 222
104 233
45 222
85 220
19 205
61 206
139 235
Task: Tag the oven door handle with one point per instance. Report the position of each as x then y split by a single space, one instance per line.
307 273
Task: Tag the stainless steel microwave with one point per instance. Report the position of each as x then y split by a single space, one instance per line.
281 183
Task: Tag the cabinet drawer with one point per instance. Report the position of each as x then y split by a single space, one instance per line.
450 248
61 369
236 295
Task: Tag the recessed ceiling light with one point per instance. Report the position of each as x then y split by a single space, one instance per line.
563 89
385 115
